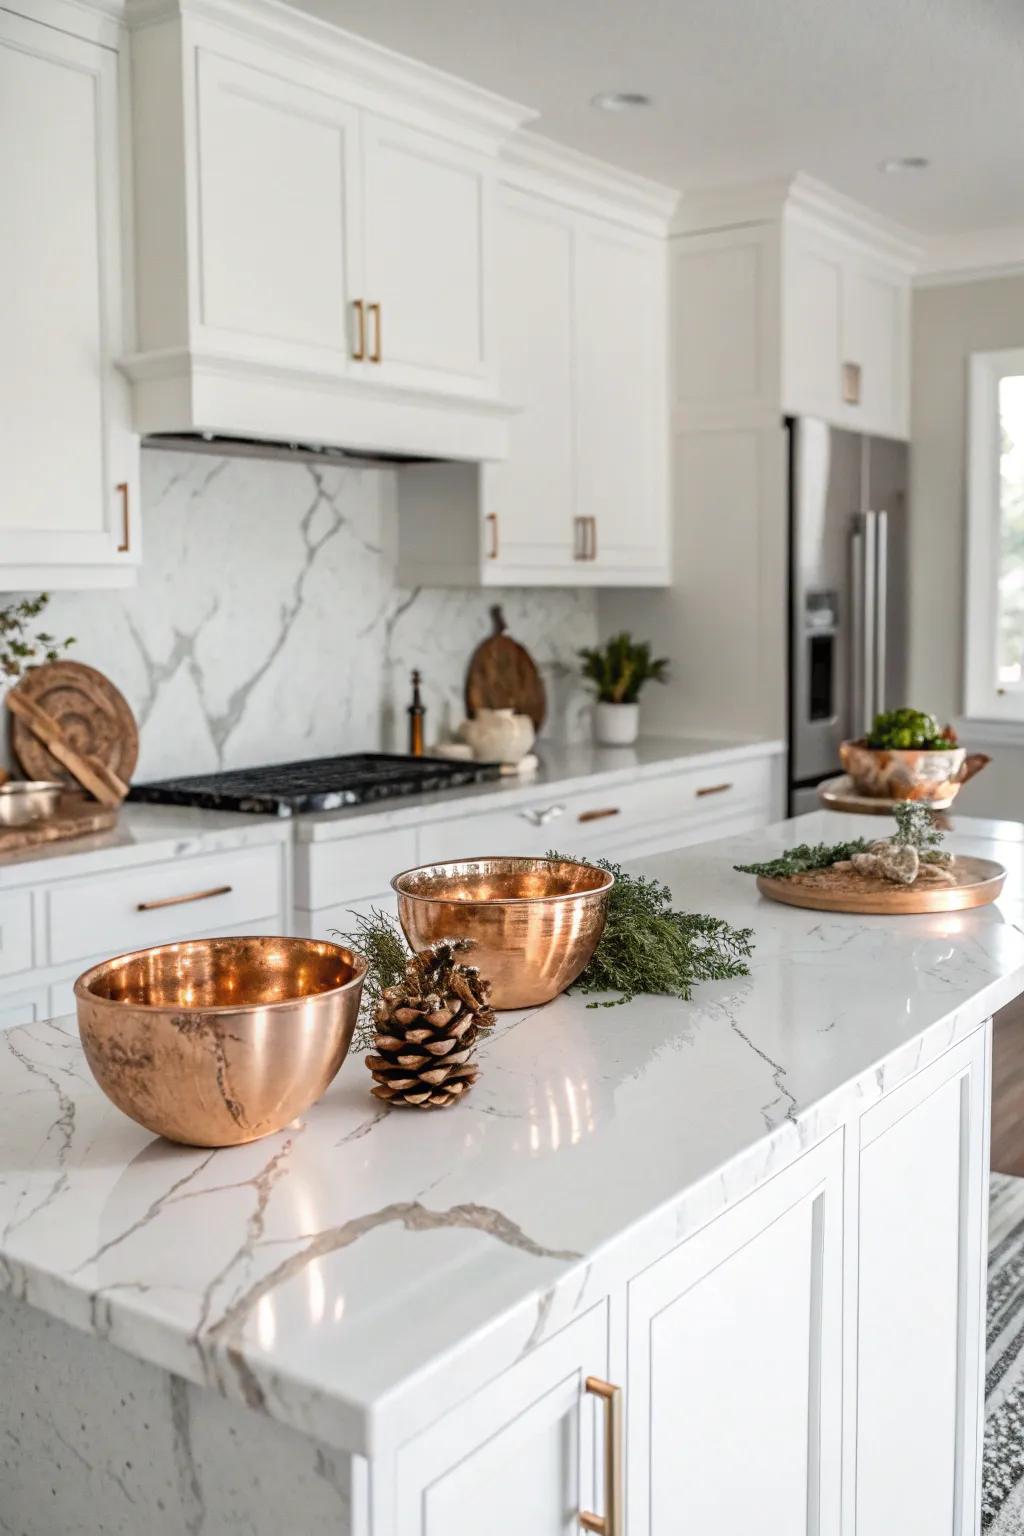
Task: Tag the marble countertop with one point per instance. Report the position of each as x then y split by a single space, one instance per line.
144 834
564 769
330 1275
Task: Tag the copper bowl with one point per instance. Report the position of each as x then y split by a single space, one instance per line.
534 923
215 1042
931 775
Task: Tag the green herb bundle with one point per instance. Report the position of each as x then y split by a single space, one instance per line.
648 947
379 938
804 857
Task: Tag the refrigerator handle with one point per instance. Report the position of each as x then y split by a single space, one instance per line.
870 619
858 709
881 586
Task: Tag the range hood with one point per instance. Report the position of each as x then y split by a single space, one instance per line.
260 448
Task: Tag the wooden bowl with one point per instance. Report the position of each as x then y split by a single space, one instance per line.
215 1042
534 923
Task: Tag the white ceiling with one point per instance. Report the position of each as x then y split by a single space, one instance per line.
751 89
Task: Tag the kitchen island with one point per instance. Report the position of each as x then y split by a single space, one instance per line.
761 1214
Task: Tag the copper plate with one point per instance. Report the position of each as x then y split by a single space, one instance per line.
838 794
979 881
534 923
214 1042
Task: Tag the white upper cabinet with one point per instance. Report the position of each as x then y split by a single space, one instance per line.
428 217
314 233
68 460
846 332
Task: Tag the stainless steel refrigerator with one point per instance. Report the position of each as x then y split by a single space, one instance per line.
847 593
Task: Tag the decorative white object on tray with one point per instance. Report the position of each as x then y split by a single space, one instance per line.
498 735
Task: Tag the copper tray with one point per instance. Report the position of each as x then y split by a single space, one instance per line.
979 881
838 794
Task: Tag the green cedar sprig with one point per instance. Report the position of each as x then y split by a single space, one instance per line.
804 857
379 938
648 947
916 827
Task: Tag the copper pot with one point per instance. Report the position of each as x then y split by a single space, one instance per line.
534 923
931 775
214 1042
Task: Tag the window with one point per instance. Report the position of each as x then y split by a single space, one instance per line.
994 671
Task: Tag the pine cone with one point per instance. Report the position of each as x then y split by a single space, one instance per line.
427 1029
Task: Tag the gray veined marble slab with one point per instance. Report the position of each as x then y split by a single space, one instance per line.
325 1274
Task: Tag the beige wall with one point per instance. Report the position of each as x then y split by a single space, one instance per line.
949 323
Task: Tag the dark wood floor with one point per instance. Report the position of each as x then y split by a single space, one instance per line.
1008 1090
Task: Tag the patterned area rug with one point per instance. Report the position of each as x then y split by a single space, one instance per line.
1002 1503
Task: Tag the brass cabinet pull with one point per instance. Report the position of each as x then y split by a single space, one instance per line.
851 383
579 551
612 1522
609 810
359 350
126 526
593 537
177 901
712 789
492 523
374 310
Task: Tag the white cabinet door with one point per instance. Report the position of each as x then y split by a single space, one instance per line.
813 326
278 175
923 1192
875 341
23 1008
528 499
516 1459
427 208
68 463
621 401
734 1395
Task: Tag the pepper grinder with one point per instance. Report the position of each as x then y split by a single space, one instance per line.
416 712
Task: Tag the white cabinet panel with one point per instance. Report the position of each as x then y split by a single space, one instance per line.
23 1008
621 401
875 340
923 1180
734 1391
529 499
427 209
813 301
15 932
68 465
277 176
518 1457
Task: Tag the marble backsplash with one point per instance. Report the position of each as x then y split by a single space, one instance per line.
267 622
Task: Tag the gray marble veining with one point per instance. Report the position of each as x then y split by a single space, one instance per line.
267 622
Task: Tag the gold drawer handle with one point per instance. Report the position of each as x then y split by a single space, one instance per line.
359 350
376 355
178 901
610 810
712 789
491 520
612 1522
126 523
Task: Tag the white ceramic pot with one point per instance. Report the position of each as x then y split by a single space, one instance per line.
498 735
616 725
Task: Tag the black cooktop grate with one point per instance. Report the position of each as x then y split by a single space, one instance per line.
322 784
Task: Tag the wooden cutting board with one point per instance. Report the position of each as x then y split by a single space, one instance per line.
75 817
503 675
93 716
978 881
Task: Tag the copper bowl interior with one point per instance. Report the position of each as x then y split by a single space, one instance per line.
494 880
223 973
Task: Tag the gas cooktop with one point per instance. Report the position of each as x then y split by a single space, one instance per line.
322 784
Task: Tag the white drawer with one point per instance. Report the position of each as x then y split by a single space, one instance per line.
159 903
511 831
23 1008
353 867
15 932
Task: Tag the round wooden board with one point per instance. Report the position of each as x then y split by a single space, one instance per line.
92 713
503 675
979 881
838 794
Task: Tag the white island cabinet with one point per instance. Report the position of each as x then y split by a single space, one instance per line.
670 1267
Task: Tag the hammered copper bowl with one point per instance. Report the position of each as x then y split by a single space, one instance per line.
534 923
883 773
215 1042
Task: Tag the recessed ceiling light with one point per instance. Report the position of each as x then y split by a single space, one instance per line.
619 101
901 163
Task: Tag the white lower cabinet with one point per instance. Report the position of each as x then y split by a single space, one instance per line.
743 1317
808 1363
516 1459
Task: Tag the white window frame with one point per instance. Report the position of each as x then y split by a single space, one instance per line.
984 698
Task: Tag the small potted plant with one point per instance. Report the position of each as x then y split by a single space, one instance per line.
618 670
907 756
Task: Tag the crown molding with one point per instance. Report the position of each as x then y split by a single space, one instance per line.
541 165
377 69
802 197
98 21
972 257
